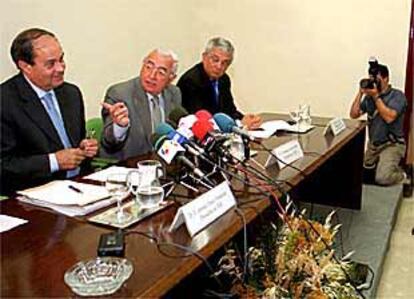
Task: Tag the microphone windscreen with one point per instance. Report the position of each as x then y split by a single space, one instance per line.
201 128
224 122
187 121
163 129
158 143
154 138
176 114
203 114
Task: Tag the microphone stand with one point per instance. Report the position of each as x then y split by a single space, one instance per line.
246 146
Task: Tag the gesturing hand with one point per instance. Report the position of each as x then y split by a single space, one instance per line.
118 112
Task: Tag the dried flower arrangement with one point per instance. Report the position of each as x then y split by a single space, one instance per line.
294 262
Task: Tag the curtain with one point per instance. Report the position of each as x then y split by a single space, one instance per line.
409 93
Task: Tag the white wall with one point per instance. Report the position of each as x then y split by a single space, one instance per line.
287 51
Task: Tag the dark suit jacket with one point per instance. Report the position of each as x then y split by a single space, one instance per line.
138 140
28 134
198 93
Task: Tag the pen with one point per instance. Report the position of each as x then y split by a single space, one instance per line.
75 189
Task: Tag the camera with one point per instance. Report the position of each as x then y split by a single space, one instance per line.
373 71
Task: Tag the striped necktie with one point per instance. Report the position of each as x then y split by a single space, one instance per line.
156 112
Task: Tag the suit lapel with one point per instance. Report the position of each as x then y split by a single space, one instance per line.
142 108
166 94
34 110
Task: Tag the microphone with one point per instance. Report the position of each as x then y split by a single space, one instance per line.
163 129
203 114
201 128
212 140
189 145
169 149
228 125
175 115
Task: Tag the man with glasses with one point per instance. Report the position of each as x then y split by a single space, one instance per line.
207 86
42 116
133 109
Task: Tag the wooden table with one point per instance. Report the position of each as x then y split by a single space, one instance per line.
35 256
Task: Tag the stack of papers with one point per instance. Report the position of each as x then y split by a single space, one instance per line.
101 175
68 197
268 128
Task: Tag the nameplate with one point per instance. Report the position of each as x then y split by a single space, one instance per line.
205 209
336 126
286 154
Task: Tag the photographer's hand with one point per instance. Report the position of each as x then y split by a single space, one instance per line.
355 111
372 92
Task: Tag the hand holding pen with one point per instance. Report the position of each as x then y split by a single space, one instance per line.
89 147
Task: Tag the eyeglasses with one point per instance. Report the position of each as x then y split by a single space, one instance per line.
160 71
214 59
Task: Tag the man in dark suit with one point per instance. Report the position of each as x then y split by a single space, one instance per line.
134 108
42 117
207 86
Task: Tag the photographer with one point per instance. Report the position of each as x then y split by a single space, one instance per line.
385 107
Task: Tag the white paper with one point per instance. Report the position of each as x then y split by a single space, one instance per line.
268 128
60 193
9 222
101 175
71 210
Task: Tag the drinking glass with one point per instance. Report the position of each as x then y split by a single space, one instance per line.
116 186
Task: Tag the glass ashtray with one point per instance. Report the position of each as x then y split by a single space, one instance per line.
99 276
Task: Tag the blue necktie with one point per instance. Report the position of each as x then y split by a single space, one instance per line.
216 91
59 126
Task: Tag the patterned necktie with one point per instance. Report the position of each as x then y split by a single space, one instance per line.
216 91
156 112
59 126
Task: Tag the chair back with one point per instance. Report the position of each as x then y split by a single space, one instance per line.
94 127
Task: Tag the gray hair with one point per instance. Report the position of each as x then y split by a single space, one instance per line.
221 43
172 55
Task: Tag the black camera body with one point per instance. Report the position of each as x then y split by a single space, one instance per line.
373 70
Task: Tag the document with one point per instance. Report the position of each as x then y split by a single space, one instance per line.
101 175
66 193
70 210
268 128
9 222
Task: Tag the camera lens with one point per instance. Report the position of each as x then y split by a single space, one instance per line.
366 83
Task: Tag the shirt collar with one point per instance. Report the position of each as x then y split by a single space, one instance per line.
150 96
40 92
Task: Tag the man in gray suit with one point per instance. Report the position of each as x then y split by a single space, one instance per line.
133 109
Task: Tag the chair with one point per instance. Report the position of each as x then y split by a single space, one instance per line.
94 127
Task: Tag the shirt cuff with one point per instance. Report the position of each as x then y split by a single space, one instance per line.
53 163
120 133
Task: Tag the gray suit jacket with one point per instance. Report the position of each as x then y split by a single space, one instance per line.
138 140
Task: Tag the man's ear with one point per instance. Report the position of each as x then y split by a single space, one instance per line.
24 66
172 77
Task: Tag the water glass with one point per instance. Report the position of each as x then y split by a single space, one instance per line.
116 185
